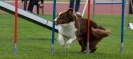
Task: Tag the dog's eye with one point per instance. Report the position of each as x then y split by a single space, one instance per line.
60 15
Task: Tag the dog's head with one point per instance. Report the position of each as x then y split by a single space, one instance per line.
65 17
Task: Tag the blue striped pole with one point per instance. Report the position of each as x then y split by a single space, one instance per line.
53 28
122 25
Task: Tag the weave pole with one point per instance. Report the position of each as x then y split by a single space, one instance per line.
16 27
88 32
122 25
53 28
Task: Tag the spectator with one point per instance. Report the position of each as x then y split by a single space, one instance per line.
35 2
77 5
130 7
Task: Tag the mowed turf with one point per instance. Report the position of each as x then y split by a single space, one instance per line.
34 41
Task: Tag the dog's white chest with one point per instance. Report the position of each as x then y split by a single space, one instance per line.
68 30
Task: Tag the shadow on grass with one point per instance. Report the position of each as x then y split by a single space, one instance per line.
38 39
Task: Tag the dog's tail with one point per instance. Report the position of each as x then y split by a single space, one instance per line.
100 33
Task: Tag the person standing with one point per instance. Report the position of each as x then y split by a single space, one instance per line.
130 7
77 5
35 2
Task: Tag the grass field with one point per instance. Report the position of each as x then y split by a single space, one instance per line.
34 42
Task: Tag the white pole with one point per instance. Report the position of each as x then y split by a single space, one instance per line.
93 14
84 8
15 49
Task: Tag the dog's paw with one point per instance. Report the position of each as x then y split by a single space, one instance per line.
61 42
67 46
63 46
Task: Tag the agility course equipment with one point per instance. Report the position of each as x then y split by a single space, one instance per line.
53 27
122 25
122 19
88 32
27 16
16 27
83 12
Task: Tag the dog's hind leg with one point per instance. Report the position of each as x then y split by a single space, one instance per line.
93 49
69 42
61 39
81 43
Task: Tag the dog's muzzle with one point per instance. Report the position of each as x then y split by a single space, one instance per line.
55 22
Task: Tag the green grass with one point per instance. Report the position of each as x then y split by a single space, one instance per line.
34 42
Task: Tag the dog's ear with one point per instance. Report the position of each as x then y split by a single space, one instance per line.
70 11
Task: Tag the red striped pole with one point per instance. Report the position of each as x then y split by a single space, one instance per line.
88 34
16 27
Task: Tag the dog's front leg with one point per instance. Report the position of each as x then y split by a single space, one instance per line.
69 42
61 39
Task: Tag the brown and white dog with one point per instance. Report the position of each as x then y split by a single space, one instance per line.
73 26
